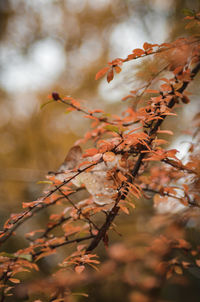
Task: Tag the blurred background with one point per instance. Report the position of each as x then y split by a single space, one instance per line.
59 45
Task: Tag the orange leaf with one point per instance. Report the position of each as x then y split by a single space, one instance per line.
79 269
160 141
178 270
90 152
186 188
169 274
138 52
118 69
152 91
171 153
165 80
121 176
80 247
131 57
131 204
101 73
109 156
124 209
166 87
70 109
75 103
165 132
127 97
147 46
157 199
13 280
178 70
86 162
91 117
110 75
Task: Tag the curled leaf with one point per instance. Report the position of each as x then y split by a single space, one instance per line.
109 156
110 75
118 69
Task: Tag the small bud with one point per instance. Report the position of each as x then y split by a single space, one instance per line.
55 96
185 99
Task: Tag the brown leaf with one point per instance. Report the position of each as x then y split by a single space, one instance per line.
121 176
178 270
79 269
13 280
118 69
110 75
124 209
198 262
185 99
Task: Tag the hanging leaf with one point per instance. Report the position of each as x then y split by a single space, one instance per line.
185 99
110 75
124 208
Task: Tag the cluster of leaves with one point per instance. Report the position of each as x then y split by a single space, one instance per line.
116 171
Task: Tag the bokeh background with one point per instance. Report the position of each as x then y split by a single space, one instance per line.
59 46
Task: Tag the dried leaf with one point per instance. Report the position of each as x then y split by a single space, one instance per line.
101 73
108 156
110 75
152 91
121 176
124 209
138 52
79 269
197 262
165 132
147 46
178 270
13 280
118 69
185 99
